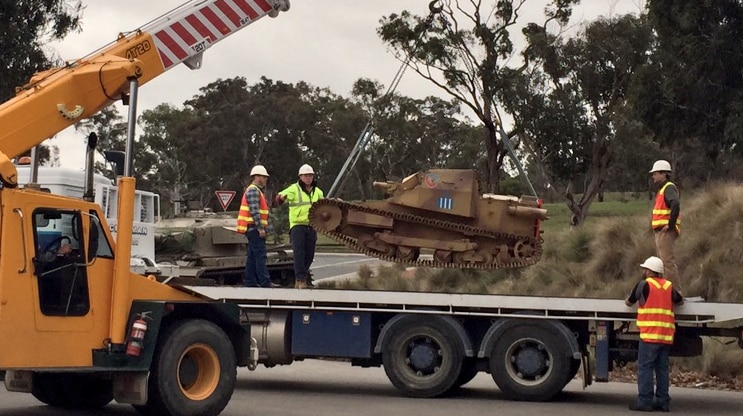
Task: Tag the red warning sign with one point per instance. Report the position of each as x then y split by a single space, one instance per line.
225 197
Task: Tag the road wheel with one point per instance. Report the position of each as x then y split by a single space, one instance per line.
574 367
469 371
531 362
72 390
193 371
421 359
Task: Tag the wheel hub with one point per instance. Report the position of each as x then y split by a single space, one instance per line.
530 361
198 371
423 357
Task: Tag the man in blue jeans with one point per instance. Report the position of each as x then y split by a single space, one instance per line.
300 196
252 220
655 320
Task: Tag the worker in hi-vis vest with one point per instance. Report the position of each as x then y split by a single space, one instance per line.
656 322
300 196
666 219
252 220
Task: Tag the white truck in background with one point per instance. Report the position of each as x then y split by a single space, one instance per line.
71 182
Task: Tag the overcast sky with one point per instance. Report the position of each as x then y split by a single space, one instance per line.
328 43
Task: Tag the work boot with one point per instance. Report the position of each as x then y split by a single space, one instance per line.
637 408
310 283
300 284
660 408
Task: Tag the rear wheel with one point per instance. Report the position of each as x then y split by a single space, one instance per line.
72 390
469 371
194 371
574 367
531 362
421 359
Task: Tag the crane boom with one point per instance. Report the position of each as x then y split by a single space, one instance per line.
59 97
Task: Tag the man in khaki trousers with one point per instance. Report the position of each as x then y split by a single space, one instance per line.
666 219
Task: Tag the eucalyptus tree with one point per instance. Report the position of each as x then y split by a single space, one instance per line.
569 103
25 27
165 130
690 95
464 49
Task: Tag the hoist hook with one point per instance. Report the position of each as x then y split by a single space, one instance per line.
435 6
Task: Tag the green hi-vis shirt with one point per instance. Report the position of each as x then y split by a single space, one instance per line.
299 203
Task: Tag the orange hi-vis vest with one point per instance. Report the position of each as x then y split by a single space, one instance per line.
244 219
655 318
661 212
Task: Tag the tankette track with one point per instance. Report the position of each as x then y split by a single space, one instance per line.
323 215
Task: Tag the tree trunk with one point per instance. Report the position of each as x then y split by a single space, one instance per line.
601 163
494 148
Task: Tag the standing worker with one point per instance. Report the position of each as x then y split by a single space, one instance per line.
300 197
666 218
657 325
252 220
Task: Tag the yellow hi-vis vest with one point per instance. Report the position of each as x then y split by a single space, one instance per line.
299 203
244 219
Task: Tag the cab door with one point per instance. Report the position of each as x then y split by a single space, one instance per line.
60 267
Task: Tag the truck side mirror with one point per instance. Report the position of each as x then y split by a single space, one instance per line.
116 158
93 237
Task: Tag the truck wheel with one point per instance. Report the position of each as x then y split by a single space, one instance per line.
71 390
193 371
469 371
422 360
530 362
574 367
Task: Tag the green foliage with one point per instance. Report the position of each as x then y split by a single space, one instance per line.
110 129
569 104
25 26
512 186
691 92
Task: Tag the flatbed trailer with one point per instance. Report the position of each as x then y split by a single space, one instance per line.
430 343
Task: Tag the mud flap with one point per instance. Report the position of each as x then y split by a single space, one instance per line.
19 380
587 376
131 387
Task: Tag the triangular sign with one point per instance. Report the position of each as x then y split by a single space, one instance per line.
225 197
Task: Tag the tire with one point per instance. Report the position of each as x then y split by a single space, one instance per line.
193 371
421 359
574 367
469 371
72 390
531 362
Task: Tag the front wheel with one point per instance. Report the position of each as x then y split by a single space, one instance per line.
194 371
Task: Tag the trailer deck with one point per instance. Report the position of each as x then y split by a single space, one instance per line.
543 307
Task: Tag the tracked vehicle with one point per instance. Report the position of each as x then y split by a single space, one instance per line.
438 211
206 246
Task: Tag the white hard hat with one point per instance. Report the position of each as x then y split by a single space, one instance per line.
661 166
306 170
258 170
653 263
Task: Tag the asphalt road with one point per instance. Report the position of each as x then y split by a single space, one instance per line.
341 265
331 388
